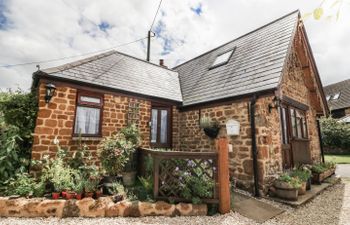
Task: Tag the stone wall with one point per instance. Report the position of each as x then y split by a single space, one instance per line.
193 137
293 86
88 207
56 120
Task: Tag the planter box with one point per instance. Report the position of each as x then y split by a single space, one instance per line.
318 178
286 191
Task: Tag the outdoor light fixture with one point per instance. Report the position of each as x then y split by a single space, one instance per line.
50 91
275 104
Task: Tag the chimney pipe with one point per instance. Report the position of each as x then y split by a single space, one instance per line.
161 62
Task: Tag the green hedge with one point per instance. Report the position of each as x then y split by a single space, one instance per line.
17 121
335 134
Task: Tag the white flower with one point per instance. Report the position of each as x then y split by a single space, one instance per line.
56 141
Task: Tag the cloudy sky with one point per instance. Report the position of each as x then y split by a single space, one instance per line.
41 30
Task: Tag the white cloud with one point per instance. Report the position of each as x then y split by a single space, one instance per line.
41 30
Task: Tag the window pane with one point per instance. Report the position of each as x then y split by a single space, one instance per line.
87 120
292 119
299 116
90 99
154 126
222 58
305 127
284 126
336 96
164 127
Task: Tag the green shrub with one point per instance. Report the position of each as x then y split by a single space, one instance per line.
147 183
302 174
24 185
335 134
116 188
293 181
116 151
17 121
195 185
318 168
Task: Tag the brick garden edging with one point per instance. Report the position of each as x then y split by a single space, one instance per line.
88 207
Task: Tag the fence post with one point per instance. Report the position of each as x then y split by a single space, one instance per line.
223 177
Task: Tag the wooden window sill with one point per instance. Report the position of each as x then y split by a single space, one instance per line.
87 138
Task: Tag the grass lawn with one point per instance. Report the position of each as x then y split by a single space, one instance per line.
339 159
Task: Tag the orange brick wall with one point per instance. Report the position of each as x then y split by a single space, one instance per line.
56 120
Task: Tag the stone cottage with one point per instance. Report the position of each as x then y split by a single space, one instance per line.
267 80
338 98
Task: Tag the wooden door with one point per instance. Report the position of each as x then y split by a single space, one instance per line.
160 127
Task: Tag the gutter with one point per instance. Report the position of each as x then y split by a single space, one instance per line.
254 146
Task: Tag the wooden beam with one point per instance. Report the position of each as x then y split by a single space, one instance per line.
224 177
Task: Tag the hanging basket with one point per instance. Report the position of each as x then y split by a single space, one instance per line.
211 132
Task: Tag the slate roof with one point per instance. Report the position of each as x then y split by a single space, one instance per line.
256 64
344 99
122 72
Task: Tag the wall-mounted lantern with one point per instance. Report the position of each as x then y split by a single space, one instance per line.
50 91
275 104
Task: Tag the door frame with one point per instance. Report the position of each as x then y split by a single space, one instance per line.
288 105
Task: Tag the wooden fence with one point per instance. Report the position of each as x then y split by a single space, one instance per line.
170 168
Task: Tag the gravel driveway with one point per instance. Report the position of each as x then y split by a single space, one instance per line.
325 209
343 170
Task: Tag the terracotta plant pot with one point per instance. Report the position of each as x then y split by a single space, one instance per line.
302 189
55 195
79 196
89 194
70 195
64 193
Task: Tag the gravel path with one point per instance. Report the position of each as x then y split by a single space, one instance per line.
324 209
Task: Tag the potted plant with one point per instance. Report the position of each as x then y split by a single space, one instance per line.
90 187
118 191
116 154
79 189
287 187
211 129
321 171
303 175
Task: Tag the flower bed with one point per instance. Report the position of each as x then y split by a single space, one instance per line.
88 207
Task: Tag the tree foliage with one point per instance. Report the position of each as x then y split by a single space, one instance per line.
333 7
335 134
17 121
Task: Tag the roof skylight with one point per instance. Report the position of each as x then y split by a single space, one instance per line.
222 58
336 96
